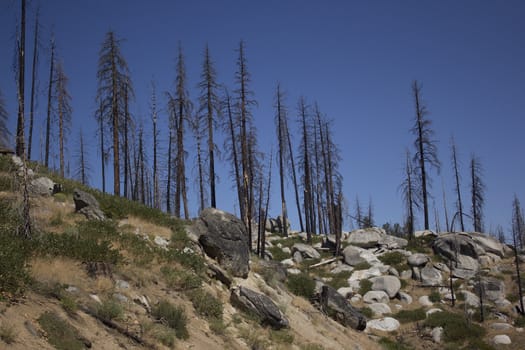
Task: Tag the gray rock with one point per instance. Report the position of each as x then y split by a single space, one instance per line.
121 284
489 244
425 301
393 272
379 309
216 272
417 260
341 268
346 292
392 242
365 274
352 256
87 205
404 297
288 262
307 251
297 257
493 288
386 324
450 245
224 238
293 271
500 326
161 242
432 311
260 305
424 233
340 309
406 274
376 296
437 334
287 250
501 339
41 186
142 301
471 299
389 284
120 298
366 238
430 276
71 289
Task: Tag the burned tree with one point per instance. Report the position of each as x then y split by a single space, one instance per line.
455 167
4 132
283 152
518 230
33 83
82 172
49 101
409 193
63 109
477 190
425 156
20 124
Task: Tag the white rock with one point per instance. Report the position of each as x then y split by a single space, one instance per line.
96 298
161 242
404 297
120 284
341 268
501 339
379 309
417 259
432 311
293 271
288 263
386 324
471 299
425 301
307 251
437 333
374 296
356 298
365 274
388 284
286 250
500 326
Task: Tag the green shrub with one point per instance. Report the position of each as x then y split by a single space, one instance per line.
217 326
206 304
60 334
367 312
365 286
362 266
69 304
7 333
301 285
405 316
186 259
164 334
6 164
434 296
389 344
520 321
278 254
174 316
455 327
180 279
143 253
110 310
56 220
340 279
6 183
282 336
311 346
60 197
393 259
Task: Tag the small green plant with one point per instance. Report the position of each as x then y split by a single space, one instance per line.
69 304
405 316
434 296
60 334
365 286
301 285
180 279
206 304
393 258
389 344
520 321
174 316
282 336
278 254
56 220
110 310
217 326
60 197
340 279
7 333
164 334
367 312
6 183
455 327
362 266
311 346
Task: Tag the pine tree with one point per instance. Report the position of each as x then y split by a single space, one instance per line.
518 231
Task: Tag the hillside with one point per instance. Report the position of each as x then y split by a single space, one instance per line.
139 279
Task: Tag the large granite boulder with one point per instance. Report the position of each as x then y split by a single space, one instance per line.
306 250
224 237
340 309
388 284
430 276
385 324
352 256
41 186
418 259
493 289
259 305
366 238
87 205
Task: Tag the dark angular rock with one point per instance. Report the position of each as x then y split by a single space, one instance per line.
335 305
260 305
86 204
225 239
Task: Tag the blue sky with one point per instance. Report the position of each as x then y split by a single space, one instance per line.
356 59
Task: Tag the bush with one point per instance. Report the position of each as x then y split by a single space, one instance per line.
6 183
217 326
301 285
367 312
7 333
455 327
434 296
206 304
174 316
405 316
520 322
69 304
282 336
59 333
393 259
362 266
389 344
180 279
110 310
340 279
277 253
164 334
365 286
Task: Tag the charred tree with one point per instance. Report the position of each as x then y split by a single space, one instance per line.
20 125
518 230
456 183
33 83
283 152
49 101
477 190
64 112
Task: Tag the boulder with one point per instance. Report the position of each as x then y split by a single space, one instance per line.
259 305
437 334
493 288
451 245
392 242
223 237
351 256
87 205
424 233
376 296
346 292
386 324
501 326
379 309
501 339
307 251
297 257
430 276
389 284
417 259
340 309
366 238
404 297
489 244
365 274
341 268
471 299
425 301
41 186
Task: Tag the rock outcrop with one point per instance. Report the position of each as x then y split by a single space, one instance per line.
259 305
223 237
87 205
338 307
42 186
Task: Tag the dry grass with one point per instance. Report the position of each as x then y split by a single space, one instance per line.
146 228
59 271
53 216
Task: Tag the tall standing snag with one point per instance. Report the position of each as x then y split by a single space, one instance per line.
478 193
33 81
283 152
64 112
518 230
425 156
456 183
20 125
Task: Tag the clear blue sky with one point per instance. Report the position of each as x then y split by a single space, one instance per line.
357 59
